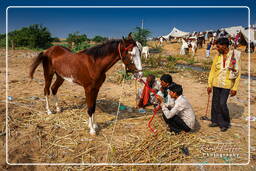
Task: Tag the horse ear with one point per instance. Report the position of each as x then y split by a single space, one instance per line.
130 36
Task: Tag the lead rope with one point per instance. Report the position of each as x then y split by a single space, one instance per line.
117 113
155 109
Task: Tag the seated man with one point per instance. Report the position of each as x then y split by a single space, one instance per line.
181 116
146 97
166 81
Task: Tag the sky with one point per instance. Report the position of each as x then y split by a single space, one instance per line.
118 22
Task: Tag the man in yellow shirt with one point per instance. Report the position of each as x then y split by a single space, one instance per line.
223 79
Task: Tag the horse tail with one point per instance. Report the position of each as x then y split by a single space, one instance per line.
39 59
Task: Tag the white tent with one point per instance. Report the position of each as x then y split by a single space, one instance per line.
176 33
251 33
233 30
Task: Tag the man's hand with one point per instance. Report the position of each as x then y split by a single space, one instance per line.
232 93
209 90
161 89
159 99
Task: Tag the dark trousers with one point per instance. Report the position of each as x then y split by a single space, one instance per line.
219 112
176 124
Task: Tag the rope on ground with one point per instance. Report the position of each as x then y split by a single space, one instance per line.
23 106
117 113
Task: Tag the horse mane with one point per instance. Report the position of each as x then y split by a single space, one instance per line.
103 49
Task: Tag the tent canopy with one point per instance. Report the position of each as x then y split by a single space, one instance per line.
176 33
251 33
233 30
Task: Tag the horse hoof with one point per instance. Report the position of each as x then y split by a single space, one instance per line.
58 109
92 132
95 126
49 112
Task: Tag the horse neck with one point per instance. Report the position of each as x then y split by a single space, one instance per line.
109 61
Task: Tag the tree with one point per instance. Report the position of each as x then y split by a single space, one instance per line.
80 41
141 35
55 39
34 36
99 39
77 38
2 40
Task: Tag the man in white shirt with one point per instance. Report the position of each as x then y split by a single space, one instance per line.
135 54
183 48
181 116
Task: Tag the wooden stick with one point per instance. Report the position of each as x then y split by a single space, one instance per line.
136 93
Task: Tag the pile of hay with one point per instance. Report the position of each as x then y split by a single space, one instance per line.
162 147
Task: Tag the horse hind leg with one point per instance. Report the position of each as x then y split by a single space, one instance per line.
48 80
54 89
48 75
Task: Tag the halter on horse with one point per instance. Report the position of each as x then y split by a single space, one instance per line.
86 68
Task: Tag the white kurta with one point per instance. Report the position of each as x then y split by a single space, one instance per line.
183 109
136 57
183 47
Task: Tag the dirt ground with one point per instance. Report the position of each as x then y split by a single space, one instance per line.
35 137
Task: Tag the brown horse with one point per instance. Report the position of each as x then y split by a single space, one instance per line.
86 68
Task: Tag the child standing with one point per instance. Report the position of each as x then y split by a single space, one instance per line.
208 48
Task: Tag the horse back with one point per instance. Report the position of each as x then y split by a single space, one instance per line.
56 51
70 66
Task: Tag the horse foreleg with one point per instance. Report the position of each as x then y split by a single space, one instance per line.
95 95
94 124
91 105
91 123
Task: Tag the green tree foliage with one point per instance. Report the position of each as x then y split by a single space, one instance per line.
2 40
141 35
34 36
99 39
77 38
81 46
80 41
55 39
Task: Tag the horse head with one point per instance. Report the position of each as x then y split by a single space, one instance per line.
124 48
